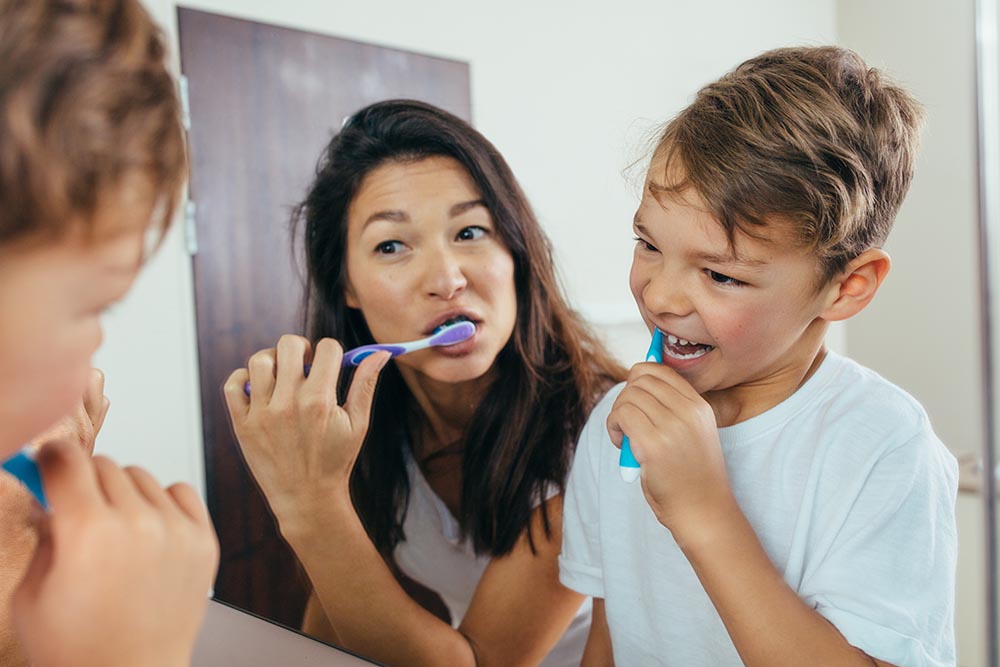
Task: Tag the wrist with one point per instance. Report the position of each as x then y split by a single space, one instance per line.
313 512
707 524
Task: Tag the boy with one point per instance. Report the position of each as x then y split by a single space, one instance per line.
91 159
794 508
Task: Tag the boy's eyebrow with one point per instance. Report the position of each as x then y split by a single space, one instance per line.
711 257
402 216
729 258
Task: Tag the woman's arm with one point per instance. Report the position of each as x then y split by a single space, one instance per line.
598 650
520 610
301 447
517 614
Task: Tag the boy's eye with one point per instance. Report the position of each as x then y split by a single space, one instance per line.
471 233
388 247
646 245
722 278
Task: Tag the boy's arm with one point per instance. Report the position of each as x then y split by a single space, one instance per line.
767 621
675 439
597 652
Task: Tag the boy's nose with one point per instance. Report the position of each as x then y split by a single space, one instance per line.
444 275
665 294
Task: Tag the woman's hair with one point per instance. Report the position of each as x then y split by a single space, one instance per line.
550 373
86 102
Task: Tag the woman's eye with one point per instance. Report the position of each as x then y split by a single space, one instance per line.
471 233
722 278
389 247
646 245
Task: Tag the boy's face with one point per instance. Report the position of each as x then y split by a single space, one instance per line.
744 330
52 294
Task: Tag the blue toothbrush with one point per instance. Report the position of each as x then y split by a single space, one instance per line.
627 465
447 335
22 466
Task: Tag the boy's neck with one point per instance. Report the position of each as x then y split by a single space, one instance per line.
746 401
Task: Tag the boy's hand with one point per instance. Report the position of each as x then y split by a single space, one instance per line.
84 423
673 435
122 570
299 443
18 533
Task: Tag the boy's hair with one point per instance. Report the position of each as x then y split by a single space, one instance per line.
86 102
809 136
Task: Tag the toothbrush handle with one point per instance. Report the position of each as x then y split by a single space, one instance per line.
23 466
358 354
353 357
628 467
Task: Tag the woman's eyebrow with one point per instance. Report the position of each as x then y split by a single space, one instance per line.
389 216
462 207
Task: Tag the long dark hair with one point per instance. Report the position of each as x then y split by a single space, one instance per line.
550 373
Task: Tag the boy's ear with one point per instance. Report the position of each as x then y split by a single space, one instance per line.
855 287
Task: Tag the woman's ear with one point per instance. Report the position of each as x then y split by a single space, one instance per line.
854 288
349 297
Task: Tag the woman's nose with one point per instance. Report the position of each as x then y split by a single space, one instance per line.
444 275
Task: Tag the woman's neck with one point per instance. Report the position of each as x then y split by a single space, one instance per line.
443 409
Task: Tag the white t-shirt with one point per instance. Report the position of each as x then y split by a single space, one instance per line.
433 555
847 487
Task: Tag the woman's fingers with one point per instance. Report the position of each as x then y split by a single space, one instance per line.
261 367
292 354
362 391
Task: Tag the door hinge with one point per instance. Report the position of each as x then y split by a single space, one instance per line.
190 227
182 92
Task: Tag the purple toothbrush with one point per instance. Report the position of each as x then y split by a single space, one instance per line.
447 335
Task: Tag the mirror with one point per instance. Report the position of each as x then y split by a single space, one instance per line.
569 96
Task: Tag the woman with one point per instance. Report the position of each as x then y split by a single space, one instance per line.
414 220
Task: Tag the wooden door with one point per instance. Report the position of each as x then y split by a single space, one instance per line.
263 102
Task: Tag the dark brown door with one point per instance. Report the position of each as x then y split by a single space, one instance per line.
263 102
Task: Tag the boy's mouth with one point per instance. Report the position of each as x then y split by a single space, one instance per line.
681 349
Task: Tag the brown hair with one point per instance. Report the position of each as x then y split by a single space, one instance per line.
810 136
85 102
551 372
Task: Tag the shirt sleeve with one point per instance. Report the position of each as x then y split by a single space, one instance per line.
884 572
580 561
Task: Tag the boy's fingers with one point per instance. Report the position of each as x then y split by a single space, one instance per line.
664 374
149 488
68 477
188 500
105 405
629 419
93 397
39 566
115 483
362 391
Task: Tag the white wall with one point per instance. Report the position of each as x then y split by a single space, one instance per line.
922 331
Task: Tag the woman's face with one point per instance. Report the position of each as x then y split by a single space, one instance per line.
422 250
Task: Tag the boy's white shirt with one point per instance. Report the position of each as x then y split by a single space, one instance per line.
850 493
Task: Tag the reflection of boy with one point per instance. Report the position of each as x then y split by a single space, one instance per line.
91 159
795 507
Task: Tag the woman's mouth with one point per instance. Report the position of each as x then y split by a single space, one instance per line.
684 350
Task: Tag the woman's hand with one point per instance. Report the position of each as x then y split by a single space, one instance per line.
299 442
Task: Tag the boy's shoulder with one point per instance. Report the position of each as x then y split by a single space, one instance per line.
850 390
